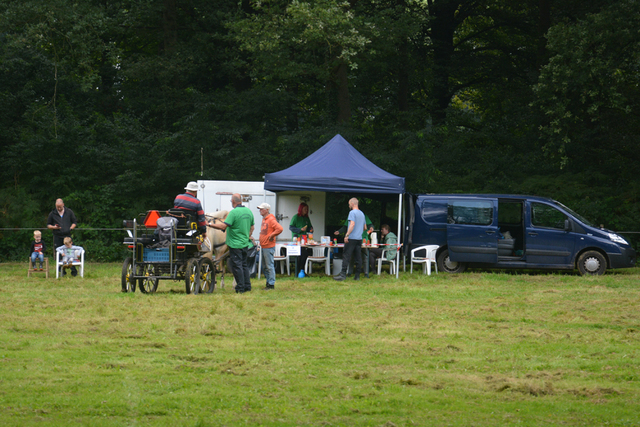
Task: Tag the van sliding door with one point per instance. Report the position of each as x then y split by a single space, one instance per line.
472 230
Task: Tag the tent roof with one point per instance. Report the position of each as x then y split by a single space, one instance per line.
335 167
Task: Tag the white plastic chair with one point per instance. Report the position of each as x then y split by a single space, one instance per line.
78 261
282 259
427 260
391 262
320 254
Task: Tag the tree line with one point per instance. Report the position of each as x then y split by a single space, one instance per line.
115 105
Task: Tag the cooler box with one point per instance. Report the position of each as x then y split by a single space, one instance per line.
156 255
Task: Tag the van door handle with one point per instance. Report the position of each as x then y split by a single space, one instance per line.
490 232
533 233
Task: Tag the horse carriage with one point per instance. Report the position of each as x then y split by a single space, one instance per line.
170 247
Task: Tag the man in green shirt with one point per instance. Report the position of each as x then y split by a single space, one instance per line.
239 225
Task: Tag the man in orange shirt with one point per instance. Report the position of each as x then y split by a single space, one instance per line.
268 232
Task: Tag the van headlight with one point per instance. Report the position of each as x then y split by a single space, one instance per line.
617 239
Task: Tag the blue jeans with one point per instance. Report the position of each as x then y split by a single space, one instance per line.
37 255
240 269
268 267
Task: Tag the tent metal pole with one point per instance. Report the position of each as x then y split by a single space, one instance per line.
399 235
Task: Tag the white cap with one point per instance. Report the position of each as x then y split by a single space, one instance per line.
266 206
192 186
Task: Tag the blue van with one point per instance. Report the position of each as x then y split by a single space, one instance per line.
510 231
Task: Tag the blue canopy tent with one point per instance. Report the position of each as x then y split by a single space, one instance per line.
338 167
335 167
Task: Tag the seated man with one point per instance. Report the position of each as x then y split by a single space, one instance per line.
388 238
191 205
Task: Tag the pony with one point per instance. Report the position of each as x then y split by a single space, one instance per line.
215 240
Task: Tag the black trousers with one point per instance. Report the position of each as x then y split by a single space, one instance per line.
240 269
302 260
58 240
352 246
374 254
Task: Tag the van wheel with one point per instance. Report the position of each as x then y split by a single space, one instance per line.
445 264
592 263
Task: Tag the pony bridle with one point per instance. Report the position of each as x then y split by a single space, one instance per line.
214 219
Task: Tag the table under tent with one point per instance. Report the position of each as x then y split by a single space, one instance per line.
337 167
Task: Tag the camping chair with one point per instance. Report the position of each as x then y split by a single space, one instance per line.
45 270
383 259
78 261
427 260
320 254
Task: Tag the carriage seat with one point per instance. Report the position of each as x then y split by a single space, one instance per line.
187 221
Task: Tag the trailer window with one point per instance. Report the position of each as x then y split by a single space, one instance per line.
472 212
547 216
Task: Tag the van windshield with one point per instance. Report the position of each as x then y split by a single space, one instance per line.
580 217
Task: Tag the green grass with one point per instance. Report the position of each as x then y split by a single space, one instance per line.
477 349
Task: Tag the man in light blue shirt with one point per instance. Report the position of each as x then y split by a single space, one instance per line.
353 241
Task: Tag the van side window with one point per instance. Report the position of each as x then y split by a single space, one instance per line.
434 212
546 216
472 212
509 213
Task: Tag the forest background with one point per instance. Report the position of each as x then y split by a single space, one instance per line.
112 105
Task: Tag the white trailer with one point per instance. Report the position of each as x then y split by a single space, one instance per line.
216 196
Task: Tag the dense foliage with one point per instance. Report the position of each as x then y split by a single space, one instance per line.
114 105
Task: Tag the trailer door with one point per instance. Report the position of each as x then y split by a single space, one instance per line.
472 230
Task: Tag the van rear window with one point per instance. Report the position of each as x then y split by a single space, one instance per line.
472 212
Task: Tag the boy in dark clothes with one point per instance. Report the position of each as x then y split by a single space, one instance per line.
37 249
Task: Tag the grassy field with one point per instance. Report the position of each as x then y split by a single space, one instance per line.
477 349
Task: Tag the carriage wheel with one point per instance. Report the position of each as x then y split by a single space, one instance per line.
128 282
207 275
148 285
192 277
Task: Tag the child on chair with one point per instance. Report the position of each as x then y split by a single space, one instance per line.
68 252
37 249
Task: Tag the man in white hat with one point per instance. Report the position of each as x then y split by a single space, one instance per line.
190 204
268 232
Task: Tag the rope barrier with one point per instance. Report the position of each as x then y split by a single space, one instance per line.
75 229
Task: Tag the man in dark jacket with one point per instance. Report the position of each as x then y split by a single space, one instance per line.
61 220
